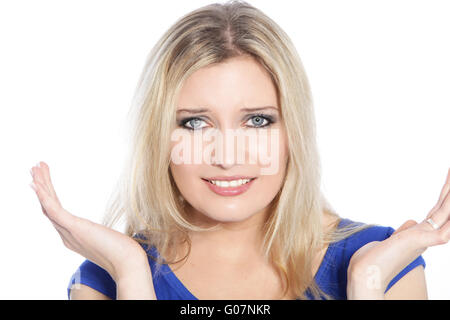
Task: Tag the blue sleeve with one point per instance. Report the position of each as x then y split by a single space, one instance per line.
90 274
417 262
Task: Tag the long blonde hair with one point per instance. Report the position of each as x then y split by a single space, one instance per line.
146 195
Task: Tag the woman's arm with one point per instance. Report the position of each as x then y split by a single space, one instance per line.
136 285
363 284
412 286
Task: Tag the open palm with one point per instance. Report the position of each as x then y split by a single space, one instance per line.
113 251
411 239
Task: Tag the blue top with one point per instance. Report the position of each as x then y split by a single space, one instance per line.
331 276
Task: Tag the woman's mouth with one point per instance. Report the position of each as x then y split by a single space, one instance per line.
229 187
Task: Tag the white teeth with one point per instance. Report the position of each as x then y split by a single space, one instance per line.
233 183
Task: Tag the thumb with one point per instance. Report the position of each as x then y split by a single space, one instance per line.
408 224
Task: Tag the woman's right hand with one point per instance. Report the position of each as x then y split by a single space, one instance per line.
115 252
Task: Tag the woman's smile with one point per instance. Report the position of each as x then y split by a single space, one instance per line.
228 187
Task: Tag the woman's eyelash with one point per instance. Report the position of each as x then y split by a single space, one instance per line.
270 119
182 122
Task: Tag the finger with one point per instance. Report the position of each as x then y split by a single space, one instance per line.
45 170
445 189
42 174
37 187
440 217
445 232
34 174
50 207
56 219
37 176
444 192
445 206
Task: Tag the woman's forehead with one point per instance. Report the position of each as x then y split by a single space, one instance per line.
232 85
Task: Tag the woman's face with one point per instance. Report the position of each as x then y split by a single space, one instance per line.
222 91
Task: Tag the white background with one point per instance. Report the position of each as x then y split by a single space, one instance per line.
380 76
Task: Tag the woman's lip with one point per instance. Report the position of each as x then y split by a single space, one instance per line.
229 191
225 178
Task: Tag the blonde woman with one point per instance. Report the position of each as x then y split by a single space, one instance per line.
219 228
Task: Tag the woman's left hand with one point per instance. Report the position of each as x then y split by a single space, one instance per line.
375 264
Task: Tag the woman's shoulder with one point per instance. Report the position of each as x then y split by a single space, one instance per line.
373 230
362 234
94 276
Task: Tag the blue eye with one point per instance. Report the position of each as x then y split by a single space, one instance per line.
193 123
259 119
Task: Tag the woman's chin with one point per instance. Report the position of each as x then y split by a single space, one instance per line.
228 216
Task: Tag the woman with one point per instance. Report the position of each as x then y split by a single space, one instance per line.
220 228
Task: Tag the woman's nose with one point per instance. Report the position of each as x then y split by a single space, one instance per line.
224 157
229 150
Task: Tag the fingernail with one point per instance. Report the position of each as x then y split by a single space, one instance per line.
38 164
31 172
33 186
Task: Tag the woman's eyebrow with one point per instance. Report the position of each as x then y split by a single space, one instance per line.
203 110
